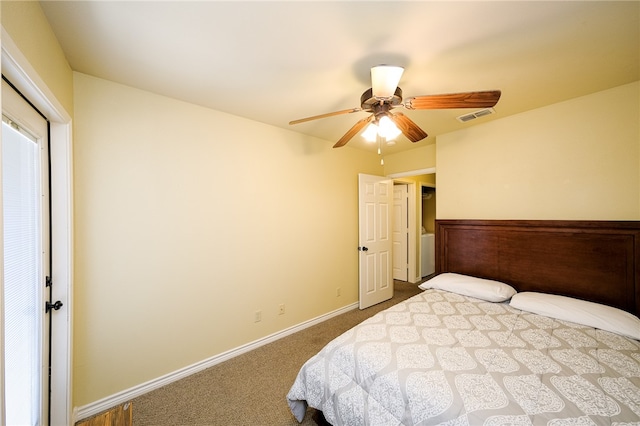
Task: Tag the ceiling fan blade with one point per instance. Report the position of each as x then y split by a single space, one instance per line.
410 129
483 99
353 131
329 114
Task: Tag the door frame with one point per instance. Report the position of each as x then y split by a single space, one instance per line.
23 76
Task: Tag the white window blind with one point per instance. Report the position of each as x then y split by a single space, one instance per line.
22 274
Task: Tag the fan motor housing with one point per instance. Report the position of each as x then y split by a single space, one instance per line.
368 101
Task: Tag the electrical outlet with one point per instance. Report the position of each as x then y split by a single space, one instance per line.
281 309
257 316
338 292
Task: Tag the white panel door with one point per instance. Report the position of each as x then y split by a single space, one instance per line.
375 194
400 233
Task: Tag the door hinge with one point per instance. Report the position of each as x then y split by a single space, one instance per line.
48 282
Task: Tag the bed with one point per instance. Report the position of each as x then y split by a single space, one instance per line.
526 323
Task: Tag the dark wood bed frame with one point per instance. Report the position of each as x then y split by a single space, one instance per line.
597 261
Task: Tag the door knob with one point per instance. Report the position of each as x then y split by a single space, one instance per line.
55 306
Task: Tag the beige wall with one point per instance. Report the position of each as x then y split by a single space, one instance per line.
29 29
575 160
188 221
413 159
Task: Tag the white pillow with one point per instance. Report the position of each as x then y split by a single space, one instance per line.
480 288
579 311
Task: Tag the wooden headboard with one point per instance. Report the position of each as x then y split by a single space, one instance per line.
597 261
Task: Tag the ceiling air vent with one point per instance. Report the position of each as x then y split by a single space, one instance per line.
472 116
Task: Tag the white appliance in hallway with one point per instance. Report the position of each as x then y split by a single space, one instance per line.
428 254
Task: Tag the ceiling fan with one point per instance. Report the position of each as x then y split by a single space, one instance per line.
385 95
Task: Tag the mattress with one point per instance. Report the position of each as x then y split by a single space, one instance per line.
441 358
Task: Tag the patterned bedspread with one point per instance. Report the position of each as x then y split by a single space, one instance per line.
440 358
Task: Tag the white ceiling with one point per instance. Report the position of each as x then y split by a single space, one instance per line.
274 62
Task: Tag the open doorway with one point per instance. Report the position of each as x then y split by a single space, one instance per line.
427 237
421 214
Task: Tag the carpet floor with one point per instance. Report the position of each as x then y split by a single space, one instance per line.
250 389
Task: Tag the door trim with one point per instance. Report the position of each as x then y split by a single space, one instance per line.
428 171
23 76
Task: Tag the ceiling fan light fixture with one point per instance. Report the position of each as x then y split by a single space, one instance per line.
370 134
384 80
387 128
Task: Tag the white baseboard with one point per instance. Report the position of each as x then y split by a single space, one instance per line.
127 395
